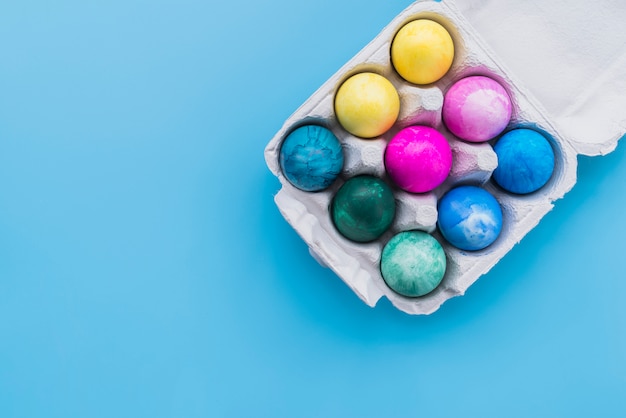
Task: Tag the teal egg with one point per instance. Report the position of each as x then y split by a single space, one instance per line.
413 263
311 158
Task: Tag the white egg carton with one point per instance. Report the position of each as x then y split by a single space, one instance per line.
357 264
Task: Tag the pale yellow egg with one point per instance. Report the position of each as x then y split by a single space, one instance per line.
367 105
422 51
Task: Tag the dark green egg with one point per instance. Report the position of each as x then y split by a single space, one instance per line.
363 208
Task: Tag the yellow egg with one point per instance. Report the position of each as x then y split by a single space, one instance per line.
367 105
422 51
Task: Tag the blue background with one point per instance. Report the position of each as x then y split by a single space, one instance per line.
146 272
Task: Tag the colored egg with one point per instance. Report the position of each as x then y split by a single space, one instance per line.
413 263
311 158
363 208
422 51
469 218
525 161
367 105
476 109
418 159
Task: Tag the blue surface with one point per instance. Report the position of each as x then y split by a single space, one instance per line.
146 272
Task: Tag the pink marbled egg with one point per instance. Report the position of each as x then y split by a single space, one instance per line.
418 159
476 109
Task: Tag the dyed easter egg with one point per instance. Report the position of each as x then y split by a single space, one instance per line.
413 263
470 218
418 159
311 158
367 105
476 109
363 208
525 161
422 51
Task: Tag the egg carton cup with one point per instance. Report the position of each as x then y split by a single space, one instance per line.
358 264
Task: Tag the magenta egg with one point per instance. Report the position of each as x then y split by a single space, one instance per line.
418 159
476 109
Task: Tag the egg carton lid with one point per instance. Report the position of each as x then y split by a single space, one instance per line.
571 55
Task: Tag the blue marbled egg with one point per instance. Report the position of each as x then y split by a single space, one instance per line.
311 158
525 161
470 218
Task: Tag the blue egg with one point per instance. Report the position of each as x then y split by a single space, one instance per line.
311 158
525 161
470 218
